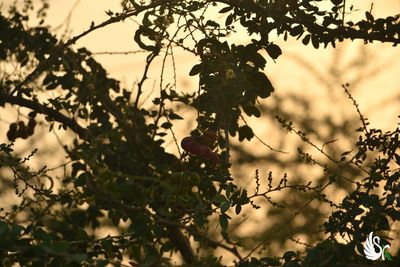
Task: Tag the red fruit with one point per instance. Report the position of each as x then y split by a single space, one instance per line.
210 134
213 157
193 146
207 139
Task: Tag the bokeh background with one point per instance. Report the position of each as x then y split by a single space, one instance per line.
308 91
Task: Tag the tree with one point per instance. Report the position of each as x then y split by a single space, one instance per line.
119 169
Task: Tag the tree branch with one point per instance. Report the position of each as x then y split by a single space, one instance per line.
340 32
51 113
181 242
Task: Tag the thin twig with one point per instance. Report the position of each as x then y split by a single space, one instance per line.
287 222
262 142
343 12
119 52
362 119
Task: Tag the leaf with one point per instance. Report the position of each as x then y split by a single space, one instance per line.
262 85
226 9
174 116
196 69
258 60
48 79
297 30
225 206
244 199
79 257
3 229
336 2
238 208
219 199
306 39
268 261
102 263
397 157
212 23
81 180
251 111
357 211
161 134
16 231
315 41
289 255
6 149
166 125
43 236
223 221
229 20
383 223
245 132
369 16
52 85
59 247
273 51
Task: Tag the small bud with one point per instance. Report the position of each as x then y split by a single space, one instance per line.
230 74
